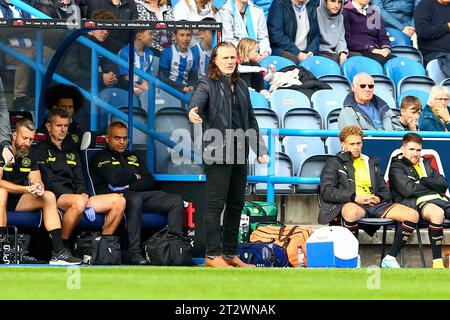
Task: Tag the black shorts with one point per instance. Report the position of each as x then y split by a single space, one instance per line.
378 210
13 200
443 204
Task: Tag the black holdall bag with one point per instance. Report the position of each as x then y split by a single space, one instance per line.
168 249
95 248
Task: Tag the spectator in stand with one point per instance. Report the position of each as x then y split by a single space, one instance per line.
293 29
156 10
432 18
143 60
122 10
25 46
410 109
242 19
362 108
178 64
76 66
203 48
332 31
398 14
436 115
58 9
250 70
365 32
194 10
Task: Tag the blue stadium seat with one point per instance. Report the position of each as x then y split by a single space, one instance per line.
283 168
397 37
115 97
258 100
326 100
333 145
321 66
422 95
337 82
149 220
24 219
446 83
283 100
388 98
422 83
435 72
165 100
301 148
302 118
354 65
405 51
331 122
383 83
266 118
169 119
399 68
312 167
279 62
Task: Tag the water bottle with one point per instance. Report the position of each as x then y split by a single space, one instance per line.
300 257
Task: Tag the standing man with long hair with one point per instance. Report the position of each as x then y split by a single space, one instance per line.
221 103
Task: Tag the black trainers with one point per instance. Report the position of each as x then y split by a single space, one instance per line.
137 259
64 257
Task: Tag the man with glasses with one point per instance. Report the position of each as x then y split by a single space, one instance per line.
436 114
365 110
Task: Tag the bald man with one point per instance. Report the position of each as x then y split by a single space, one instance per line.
362 108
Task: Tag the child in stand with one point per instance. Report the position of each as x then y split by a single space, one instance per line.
143 59
249 68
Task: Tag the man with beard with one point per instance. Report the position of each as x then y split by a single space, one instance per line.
22 189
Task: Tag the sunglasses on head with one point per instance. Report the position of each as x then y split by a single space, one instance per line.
363 85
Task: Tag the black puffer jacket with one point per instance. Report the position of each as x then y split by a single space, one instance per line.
214 105
337 185
405 184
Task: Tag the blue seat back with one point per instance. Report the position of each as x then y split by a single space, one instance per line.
283 168
302 118
354 65
258 100
398 68
278 62
283 100
320 66
397 37
301 148
435 72
337 82
326 100
409 52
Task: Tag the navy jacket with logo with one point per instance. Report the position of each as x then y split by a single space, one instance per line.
60 168
119 170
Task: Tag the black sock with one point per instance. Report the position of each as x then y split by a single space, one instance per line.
401 236
435 233
352 226
57 241
66 243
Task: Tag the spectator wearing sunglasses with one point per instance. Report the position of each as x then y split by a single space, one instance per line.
436 114
365 110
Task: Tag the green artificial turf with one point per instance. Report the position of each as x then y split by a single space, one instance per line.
204 283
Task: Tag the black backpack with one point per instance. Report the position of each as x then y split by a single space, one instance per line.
95 248
168 249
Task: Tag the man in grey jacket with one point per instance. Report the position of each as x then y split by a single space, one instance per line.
365 110
5 128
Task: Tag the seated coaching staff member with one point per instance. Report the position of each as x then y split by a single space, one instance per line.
117 169
62 173
22 190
